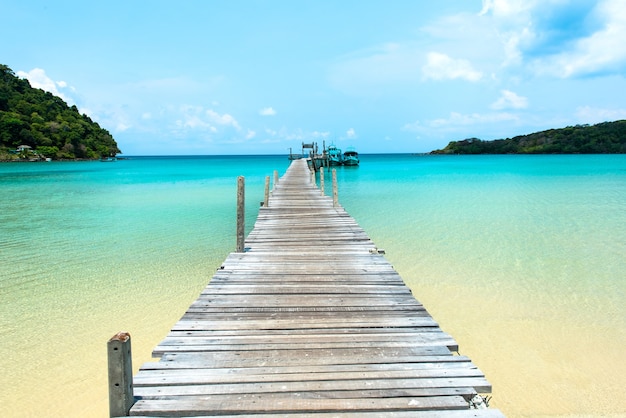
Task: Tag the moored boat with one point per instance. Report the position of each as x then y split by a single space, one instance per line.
350 157
334 155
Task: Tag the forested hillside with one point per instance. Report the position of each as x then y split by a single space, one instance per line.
35 123
603 138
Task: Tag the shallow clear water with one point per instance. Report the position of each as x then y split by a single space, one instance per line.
520 258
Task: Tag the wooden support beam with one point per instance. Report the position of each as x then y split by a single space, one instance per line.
241 201
335 193
267 192
121 397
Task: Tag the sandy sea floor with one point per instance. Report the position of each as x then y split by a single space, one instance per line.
542 361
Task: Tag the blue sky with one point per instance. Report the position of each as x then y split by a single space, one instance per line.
259 77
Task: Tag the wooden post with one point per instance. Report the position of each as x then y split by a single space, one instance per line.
275 178
335 194
121 397
322 181
267 192
241 201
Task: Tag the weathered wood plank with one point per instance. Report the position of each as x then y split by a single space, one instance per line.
475 413
184 406
263 338
165 391
374 322
179 377
149 388
425 362
309 357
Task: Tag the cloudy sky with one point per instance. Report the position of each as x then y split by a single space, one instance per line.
259 77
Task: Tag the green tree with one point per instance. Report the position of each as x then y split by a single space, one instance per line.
30 116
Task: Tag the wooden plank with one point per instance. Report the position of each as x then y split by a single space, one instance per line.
475 413
258 358
177 377
271 323
184 406
304 289
146 392
148 389
425 362
263 338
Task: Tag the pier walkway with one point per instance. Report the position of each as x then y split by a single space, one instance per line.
309 321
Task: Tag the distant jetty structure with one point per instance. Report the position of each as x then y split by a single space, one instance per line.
310 152
307 319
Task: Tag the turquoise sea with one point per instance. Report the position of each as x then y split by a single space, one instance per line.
521 258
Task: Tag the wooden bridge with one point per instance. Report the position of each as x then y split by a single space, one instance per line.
309 321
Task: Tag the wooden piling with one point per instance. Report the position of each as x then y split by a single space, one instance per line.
121 397
240 214
267 191
322 182
275 178
335 193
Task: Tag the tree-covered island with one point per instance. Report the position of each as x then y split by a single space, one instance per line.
35 124
603 138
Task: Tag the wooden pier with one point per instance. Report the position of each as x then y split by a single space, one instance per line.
309 321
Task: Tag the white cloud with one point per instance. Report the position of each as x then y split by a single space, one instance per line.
510 100
224 119
121 127
441 67
515 25
251 134
599 52
38 78
193 122
192 118
534 36
190 109
115 118
592 115
507 9
267 111
458 120
377 66
317 134
350 134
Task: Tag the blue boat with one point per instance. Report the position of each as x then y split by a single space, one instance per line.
350 157
334 155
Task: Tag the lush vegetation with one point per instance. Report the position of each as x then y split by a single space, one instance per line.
603 138
46 124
